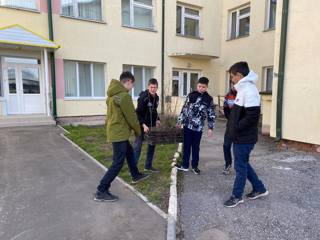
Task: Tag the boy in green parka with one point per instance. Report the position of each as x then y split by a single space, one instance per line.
121 119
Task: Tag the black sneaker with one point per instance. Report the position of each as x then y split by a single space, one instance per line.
105 197
233 202
181 168
139 177
152 169
256 194
226 170
196 171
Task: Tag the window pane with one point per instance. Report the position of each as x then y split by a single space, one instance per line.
21 60
67 8
84 80
272 16
98 80
90 9
146 2
194 82
175 87
233 25
148 75
125 12
31 4
142 17
191 27
70 79
185 84
138 81
127 68
191 11
175 73
12 81
245 11
269 79
179 19
244 26
30 81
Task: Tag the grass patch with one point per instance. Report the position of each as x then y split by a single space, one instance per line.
156 188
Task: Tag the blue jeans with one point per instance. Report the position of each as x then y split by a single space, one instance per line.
137 152
191 140
227 144
244 170
121 151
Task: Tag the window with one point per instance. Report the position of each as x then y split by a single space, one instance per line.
137 13
83 79
30 4
184 82
142 75
84 9
188 21
271 14
268 79
239 23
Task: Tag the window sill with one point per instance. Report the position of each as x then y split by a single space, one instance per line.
21 9
84 98
85 20
138 28
191 37
269 29
231 39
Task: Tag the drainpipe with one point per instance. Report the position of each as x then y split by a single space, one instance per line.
162 55
281 71
52 61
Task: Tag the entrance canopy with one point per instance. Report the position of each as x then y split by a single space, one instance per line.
16 35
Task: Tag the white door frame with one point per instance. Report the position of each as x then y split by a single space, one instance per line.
19 84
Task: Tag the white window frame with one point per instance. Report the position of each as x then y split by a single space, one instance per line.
265 77
76 15
133 4
78 97
239 17
4 3
180 78
185 15
144 80
267 27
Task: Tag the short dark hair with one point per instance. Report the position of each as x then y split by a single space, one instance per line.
153 81
125 76
203 80
240 67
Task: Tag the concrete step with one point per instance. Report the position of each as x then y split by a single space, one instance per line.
24 121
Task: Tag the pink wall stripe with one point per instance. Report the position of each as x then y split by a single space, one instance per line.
56 6
59 78
43 6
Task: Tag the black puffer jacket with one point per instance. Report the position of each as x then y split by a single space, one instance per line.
147 109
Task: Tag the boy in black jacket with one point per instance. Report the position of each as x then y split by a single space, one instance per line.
227 143
242 129
148 117
197 108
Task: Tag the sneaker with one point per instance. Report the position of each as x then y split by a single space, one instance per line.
233 202
255 194
152 169
226 170
139 177
196 171
105 197
181 168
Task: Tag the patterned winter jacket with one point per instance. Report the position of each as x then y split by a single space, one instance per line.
197 108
